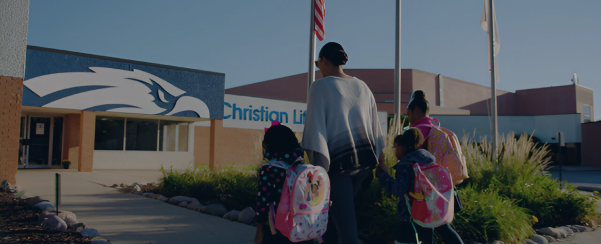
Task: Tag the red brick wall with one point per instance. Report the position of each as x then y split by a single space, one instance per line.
591 132
11 91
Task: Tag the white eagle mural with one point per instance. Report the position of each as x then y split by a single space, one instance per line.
127 90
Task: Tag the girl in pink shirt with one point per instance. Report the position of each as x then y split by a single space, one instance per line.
419 112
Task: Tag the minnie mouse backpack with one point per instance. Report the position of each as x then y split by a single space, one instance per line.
302 214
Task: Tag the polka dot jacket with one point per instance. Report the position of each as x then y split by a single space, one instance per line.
271 182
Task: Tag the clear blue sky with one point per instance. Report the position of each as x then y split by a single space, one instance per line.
543 42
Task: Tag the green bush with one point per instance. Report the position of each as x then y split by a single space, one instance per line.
235 187
488 216
517 174
377 218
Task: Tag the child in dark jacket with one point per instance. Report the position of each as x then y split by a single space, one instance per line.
281 147
407 155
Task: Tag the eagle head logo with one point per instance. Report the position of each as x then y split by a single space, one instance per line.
115 90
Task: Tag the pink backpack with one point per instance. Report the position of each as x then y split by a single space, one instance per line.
302 213
437 206
445 146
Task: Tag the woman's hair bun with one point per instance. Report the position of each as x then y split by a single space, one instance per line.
339 58
419 94
334 52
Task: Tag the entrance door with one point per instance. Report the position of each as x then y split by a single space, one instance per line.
39 143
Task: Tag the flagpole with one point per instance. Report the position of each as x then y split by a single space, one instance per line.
397 68
493 78
311 75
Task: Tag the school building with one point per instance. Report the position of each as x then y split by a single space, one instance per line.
109 113
464 107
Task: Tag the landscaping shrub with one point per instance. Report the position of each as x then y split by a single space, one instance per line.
488 216
235 187
377 218
503 198
517 174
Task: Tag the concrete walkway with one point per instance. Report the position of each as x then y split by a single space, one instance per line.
584 178
129 218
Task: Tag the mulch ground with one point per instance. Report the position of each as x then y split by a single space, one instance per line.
18 224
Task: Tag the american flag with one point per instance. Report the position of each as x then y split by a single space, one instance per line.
320 13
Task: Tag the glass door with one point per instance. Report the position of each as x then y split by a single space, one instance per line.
38 151
22 142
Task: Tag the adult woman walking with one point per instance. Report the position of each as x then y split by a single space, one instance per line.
342 134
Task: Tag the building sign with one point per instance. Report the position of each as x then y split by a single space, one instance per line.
257 113
59 79
39 128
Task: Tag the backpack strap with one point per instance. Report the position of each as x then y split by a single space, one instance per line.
271 219
411 220
434 119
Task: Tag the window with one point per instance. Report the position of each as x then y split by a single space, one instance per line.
586 112
141 135
173 136
109 133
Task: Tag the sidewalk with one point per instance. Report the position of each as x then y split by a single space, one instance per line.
130 218
584 178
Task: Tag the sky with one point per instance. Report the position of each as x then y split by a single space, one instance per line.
543 42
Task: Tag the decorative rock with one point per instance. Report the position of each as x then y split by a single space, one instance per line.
14 189
234 215
78 227
53 223
65 214
213 209
70 221
578 228
557 233
550 239
156 196
45 206
539 239
246 216
178 199
593 225
35 200
568 230
194 206
148 195
528 241
162 198
137 188
89 232
183 204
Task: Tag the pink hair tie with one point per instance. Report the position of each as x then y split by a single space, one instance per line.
273 123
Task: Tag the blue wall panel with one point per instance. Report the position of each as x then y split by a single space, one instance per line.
46 67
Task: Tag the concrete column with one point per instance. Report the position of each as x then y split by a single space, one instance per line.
14 16
87 133
216 126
